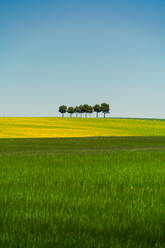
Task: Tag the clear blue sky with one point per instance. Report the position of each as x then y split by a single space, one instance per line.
72 52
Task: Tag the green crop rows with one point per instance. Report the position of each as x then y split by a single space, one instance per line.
82 192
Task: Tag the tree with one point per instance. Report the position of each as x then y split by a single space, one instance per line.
85 109
77 110
62 109
81 110
70 110
97 109
90 109
105 108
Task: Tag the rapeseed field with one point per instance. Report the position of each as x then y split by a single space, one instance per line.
43 127
59 189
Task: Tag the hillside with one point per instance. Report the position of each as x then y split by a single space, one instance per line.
38 127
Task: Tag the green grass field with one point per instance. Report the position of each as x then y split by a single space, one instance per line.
82 192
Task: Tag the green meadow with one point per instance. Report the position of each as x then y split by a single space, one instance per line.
82 192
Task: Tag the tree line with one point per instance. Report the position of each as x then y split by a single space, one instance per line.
85 109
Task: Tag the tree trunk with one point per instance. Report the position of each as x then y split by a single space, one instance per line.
96 114
104 115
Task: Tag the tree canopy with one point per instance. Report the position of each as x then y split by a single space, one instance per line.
85 109
62 109
70 110
97 109
105 108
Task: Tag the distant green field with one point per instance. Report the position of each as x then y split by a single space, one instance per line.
49 127
82 192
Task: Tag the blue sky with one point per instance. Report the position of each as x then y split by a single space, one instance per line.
73 52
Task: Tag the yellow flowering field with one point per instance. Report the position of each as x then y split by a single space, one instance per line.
37 127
